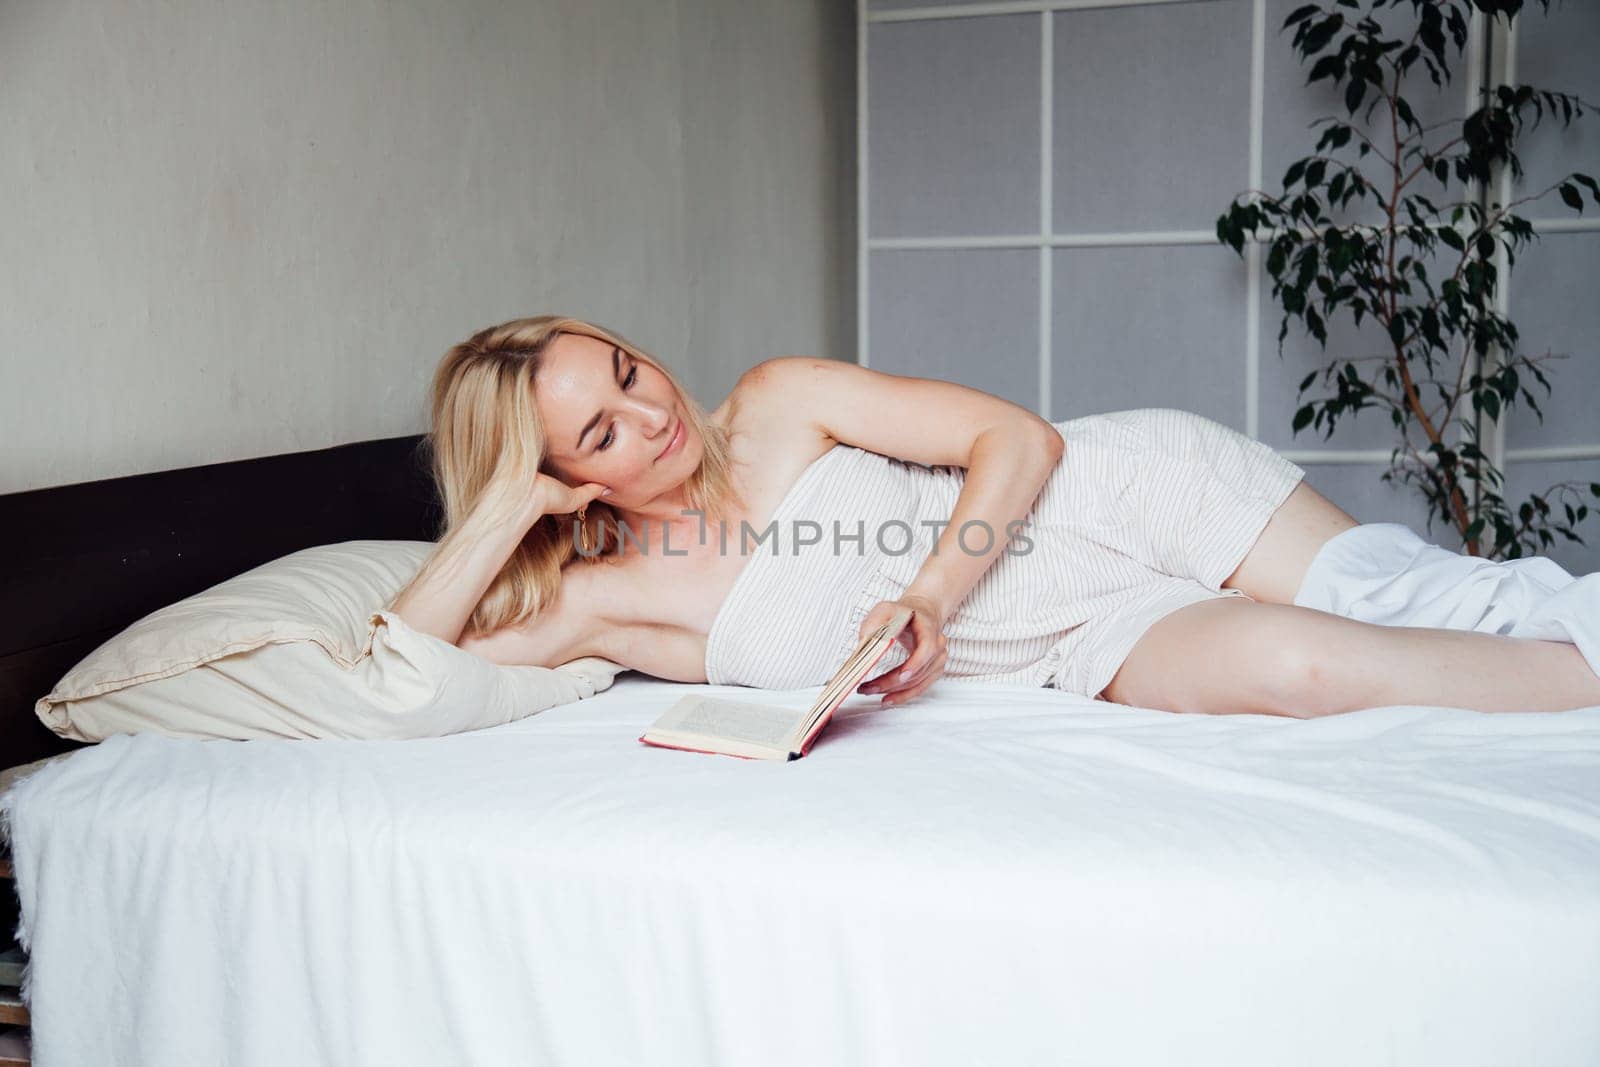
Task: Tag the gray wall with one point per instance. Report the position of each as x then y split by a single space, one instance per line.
234 229
1041 195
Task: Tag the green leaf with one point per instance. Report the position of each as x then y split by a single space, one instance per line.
1570 194
1299 14
1317 38
1403 109
1353 94
1276 259
1229 230
1302 418
1326 67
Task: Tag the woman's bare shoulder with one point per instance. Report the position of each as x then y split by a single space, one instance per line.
765 433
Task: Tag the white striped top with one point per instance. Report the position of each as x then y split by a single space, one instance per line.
1146 508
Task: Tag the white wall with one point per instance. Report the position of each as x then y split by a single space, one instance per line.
233 229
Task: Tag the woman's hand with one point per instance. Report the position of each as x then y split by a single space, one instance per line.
556 497
923 636
522 497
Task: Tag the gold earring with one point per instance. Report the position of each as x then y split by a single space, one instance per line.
583 528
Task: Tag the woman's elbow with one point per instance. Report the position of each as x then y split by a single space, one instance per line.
1051 442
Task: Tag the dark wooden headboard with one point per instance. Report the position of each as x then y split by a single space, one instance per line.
78 563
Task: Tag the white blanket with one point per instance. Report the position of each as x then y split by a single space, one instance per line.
988 875
1386 573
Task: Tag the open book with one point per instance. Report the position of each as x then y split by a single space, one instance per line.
767 731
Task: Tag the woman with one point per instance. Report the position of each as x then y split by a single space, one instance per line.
1145 557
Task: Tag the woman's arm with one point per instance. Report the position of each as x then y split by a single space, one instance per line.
1009 466
453 579
447 589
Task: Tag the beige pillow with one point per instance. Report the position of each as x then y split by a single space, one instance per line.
302 647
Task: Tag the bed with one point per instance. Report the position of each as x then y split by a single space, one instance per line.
987 875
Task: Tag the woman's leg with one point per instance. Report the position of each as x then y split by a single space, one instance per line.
1234 655
1272 570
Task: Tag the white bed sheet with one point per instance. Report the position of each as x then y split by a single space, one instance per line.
989 875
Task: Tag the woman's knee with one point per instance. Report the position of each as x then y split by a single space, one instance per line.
1313 663
1297 677
1236 656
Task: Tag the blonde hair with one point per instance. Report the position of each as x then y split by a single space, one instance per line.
483 417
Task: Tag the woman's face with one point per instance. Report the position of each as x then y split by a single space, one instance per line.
609 418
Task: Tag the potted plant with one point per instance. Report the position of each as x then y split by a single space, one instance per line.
1423 278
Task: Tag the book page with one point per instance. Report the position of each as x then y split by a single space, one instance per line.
764 731
855 668
758 723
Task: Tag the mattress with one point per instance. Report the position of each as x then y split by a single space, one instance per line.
989 874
